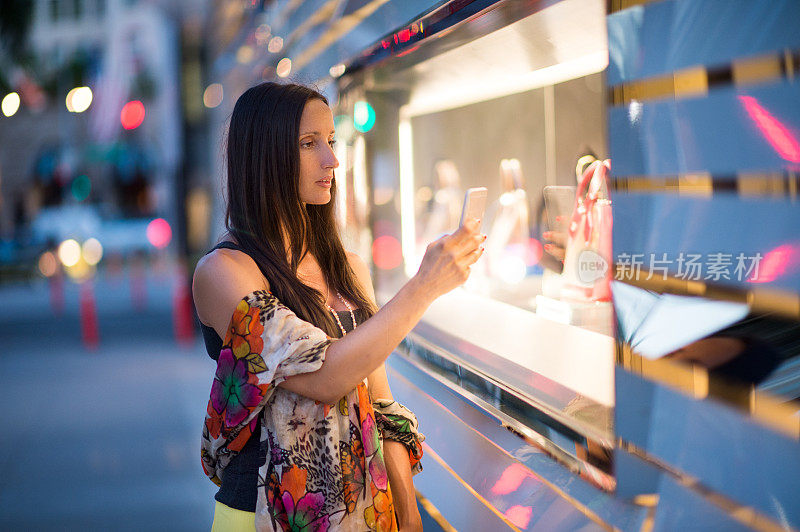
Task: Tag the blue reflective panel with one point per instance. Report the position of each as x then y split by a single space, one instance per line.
516 478
655 324
455 502
680 509
725 451
635 476
660 37
731 130
724 239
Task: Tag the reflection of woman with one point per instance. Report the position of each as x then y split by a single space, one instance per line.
445 206
277 289
509 231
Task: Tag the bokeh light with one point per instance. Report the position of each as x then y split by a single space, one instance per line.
519 515
245 54
48 265
262 33
511 479
533 253
79 99
159 233
132 114
511 269
284 67
776 263
10 104
213 95
386 252
424 194
69 252
337 70
344 126
80 271
363 116
275 45
81 187
92 251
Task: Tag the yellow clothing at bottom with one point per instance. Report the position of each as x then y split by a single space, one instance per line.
227 519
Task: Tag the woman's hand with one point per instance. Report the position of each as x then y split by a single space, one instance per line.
447 261
557 244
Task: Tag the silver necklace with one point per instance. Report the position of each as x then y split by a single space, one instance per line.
336 316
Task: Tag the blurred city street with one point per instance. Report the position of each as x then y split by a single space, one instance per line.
102 440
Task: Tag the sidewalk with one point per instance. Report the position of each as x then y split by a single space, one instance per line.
105 440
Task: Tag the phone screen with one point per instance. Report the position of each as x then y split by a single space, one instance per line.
559 202
474 204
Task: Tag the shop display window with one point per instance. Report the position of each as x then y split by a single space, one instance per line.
516 110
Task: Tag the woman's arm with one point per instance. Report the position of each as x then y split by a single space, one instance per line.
351 359
221 281
398 466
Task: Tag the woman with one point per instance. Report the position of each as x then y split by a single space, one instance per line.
279 289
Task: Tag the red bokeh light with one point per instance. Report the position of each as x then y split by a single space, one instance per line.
780 137
534 252
776 263
519 515
387 253
510 479
159 233
132 114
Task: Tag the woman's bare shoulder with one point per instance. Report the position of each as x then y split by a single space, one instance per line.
361 270
229 266
221 279
355 260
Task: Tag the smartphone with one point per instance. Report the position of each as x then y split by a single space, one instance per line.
474 204
559 202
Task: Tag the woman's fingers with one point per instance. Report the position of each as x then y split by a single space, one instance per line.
466 239
559 243
471 258
556 251
556 237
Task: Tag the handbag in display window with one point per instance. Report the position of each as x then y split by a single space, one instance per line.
587 258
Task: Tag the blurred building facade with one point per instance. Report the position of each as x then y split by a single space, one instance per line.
120 163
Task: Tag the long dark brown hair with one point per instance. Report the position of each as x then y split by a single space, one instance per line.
263 159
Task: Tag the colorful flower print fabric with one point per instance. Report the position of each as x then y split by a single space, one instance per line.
398 423
325 468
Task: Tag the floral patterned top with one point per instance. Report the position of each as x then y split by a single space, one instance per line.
324 466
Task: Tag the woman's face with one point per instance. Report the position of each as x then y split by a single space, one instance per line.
317 159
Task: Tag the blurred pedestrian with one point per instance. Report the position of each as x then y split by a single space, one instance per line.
301 367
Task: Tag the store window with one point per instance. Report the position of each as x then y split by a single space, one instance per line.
520 110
